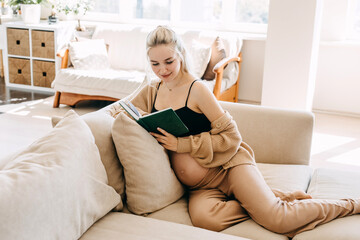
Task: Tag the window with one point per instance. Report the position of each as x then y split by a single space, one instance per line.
233 15
355 29
200 11
249 11
106 6
152 9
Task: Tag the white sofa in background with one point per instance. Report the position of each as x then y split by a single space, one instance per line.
52 194
127 64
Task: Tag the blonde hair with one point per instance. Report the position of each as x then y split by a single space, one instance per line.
164 35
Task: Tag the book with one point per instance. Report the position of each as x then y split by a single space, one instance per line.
166 119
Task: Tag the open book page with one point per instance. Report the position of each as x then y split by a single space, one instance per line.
133 108
130 109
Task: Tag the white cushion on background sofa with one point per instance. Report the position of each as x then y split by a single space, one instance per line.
116 83
89 55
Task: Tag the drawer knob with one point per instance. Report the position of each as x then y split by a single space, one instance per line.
17 42
19 71
43 44
44 74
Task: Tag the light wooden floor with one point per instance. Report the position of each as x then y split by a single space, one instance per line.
336 142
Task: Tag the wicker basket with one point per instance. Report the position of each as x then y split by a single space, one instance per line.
43 44
19 71
18 42
43 73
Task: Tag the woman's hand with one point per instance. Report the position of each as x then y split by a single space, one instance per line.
167 140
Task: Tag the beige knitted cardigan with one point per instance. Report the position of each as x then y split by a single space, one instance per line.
221 146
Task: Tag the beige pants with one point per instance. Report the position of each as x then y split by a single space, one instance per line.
226 197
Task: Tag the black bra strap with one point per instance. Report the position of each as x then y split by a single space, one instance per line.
157 89
189 92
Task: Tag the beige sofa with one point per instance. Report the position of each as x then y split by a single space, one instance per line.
281 140
97 73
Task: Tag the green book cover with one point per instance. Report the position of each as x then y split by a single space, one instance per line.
166 119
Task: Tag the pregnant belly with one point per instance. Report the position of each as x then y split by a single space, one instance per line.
187 170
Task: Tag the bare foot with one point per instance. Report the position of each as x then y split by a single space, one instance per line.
298 195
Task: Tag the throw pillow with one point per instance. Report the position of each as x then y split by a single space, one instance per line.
57 187
100 124
150 183
200 55
217 54
91 54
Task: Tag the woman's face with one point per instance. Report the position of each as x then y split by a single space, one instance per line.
164 62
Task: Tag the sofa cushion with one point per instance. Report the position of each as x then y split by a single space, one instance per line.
57 187
252 230
150 183
128 226
112 83
176 212
100 124
91 54
200 57
226 83
286 178
334 184
217 54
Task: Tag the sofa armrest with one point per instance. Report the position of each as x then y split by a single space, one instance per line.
232 93
276 135
219 67
64 55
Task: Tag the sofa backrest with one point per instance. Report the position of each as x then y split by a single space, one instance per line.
276 135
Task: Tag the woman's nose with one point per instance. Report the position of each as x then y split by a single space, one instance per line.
163 70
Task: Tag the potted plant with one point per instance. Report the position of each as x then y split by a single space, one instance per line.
30 10
74 9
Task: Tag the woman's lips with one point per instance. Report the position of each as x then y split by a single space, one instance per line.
165 76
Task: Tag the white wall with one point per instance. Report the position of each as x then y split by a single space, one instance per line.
252 69
291 53
337 82
338 78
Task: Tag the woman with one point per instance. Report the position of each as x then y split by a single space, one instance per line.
225 186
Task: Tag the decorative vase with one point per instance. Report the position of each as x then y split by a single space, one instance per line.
4 10
30 13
